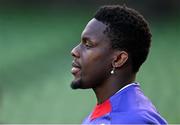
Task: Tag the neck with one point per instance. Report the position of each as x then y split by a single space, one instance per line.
111 86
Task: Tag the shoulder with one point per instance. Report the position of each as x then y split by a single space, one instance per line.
136 117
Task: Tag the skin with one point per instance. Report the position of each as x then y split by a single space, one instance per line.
94 58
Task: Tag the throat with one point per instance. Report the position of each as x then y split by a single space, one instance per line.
104 93
109 88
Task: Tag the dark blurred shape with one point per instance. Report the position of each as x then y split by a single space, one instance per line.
150 8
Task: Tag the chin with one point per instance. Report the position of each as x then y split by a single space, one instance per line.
78 84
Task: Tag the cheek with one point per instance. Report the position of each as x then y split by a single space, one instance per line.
97 65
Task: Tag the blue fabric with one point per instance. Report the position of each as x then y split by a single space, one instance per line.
129 106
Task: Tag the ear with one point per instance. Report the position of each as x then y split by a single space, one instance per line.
120 58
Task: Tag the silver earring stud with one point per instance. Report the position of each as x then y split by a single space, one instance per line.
112 71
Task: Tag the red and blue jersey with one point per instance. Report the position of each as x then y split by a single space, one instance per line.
127 106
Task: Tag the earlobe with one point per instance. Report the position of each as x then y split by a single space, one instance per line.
120 59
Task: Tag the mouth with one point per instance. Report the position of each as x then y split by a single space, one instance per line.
75 68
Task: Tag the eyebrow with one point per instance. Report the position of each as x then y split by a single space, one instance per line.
86 38
93 42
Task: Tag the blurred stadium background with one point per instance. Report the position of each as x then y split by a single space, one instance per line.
36 37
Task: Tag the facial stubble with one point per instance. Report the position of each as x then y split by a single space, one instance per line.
76 84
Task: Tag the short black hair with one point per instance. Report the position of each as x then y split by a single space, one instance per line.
128 30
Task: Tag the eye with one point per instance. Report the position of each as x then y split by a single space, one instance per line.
88 43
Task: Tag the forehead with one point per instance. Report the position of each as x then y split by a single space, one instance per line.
94 30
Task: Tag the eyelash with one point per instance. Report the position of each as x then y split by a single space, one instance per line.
87 45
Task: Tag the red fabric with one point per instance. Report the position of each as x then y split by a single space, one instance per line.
101 109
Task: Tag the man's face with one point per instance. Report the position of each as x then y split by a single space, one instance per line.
92 57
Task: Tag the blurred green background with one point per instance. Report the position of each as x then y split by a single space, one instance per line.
36 38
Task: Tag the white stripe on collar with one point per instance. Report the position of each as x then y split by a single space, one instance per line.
131 84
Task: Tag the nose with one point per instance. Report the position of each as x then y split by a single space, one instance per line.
75 52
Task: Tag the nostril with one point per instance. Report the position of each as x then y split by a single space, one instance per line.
72 52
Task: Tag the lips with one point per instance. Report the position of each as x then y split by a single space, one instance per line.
75 68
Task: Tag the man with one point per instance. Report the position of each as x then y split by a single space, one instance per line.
113 46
